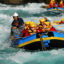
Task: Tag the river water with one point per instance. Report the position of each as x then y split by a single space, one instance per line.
33 12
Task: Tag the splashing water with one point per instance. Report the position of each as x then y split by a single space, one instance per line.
33 12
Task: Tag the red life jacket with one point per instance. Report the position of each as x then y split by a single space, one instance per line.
52 29
61 5
61 22
54 5
39 30
25 33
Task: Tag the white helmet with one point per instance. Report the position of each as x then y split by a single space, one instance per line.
15 14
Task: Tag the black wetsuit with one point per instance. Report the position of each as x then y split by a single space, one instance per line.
20 25
19 21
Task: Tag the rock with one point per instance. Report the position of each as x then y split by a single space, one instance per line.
12 1
15 2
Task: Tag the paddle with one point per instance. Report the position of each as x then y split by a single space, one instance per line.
16 38
42 43
44 6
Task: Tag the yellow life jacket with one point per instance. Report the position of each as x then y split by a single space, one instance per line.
32 32
38 24
26 27
48 24
54 24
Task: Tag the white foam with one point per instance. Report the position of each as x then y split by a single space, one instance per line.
58 52
24 57
5 24
30 7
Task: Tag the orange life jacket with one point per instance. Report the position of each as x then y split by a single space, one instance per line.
52 4
61 4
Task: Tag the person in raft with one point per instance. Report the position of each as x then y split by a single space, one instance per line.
17 25
46 19
25 32
44 26
29 29
61 4
55 22
62 21
52 4
32 29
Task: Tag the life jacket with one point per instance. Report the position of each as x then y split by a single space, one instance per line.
52 4
16 24
54 23
61 22
38 24
61 4
39 30
26 27
25 33
31 32
43 28
52 29
48 24
19 21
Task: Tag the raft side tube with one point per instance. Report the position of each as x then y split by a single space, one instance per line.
59 9
47 38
